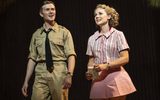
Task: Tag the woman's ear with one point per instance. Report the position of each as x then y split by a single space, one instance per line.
109 16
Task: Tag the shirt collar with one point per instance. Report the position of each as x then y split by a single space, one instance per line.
54 27
107 34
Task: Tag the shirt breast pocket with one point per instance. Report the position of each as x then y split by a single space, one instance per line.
57 44
39 45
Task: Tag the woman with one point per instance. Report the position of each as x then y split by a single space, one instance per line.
108 53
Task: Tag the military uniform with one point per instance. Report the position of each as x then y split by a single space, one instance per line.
50 85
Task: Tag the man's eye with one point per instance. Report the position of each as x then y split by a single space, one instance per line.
47 9
100 13
52 9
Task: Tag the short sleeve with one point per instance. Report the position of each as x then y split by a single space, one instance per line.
69 45
32 49
89 47
122 42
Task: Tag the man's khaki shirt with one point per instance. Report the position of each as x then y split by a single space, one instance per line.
61 43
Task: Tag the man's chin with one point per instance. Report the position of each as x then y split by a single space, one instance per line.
51 20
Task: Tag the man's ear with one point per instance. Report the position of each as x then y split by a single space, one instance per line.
40 13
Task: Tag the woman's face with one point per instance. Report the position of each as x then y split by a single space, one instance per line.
48 12
101 17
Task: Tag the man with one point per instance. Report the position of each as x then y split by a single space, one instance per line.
52 80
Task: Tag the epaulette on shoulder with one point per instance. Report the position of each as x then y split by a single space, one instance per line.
62 27
38 31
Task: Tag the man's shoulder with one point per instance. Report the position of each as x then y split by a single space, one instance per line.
38 31
63 28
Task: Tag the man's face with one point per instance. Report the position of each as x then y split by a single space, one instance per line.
48 12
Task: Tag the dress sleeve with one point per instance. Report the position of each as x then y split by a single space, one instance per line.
122 42
89 47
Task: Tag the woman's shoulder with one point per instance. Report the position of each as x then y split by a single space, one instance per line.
94 35
117 31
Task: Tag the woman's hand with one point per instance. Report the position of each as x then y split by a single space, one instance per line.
89 75
100 67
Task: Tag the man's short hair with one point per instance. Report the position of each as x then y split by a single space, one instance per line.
46 2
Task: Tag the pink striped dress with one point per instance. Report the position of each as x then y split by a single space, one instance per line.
106 48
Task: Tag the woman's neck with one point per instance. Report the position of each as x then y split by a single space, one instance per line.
105 28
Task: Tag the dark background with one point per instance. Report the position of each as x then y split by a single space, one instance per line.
139 21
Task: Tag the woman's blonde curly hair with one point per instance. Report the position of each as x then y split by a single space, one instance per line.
114 20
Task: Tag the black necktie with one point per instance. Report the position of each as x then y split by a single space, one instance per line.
48 54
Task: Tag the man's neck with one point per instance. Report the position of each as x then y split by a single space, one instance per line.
48 25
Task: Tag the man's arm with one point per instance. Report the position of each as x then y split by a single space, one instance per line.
30 68
71 64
